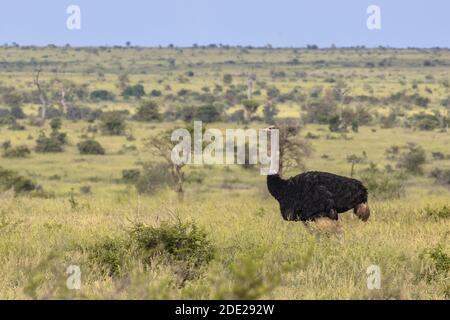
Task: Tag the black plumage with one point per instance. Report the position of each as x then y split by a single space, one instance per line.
314 194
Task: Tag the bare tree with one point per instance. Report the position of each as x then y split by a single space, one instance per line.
251 79
63 98
42 96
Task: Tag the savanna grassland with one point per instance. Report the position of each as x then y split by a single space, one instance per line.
381 115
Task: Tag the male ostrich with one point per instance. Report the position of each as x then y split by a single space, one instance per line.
312 195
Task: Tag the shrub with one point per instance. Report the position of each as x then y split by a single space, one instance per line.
148 111
79 113
413 159
134 91
383 185
153 177
441 175
389 121
207 113
155 93
90 147
16 152
61 137
85 189
112 123
424 121
227 78
435 263
55 124
441 212
180 244
101 95
131 175
176 241
17 112
50 144
110 255
10 179
438 156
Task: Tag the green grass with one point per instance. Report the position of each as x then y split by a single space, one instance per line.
256 253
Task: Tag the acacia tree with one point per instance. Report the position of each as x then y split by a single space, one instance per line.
250 106
162 146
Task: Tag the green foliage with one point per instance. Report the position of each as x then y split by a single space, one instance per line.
182 244
250 106
134 91
55 124
435 263
383 185
110 255
112 123
15 152
17 112
441 175
413 159
207 113
10 179
131 175
103 95
90 146
50 144
176 241
227 78
148 111
425 121
437 212
154 176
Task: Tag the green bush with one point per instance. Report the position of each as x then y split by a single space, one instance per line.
134 91
90 147
101 95
412 160
148 111
176 241
383 185
16 152
179 244
442 212
112 123
50 144
55 124
207 113
131 175
10 179
153 177
441 175
110 255
425 121
435 263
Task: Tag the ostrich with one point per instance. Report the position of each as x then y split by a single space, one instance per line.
312 195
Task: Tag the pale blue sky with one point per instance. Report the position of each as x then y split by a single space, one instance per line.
423 23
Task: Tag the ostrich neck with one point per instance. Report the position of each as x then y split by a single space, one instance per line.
276 185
